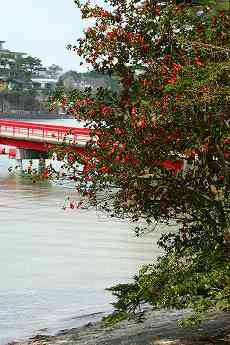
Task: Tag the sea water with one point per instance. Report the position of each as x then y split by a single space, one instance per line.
55 264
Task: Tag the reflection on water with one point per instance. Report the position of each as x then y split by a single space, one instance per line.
55 264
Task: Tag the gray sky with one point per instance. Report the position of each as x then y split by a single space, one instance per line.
42 28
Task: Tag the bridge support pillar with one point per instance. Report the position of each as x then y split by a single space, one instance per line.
41 165
19 159
31 154
19 164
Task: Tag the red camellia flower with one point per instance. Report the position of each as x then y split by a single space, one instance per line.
78 103
157 10
171 165
198 61
71 158
105 170
226 153
142 122
112 34
106 110
88 167
204 147
72 205
140 39
46 173
176 67
214 19
71 110
126 157
129 35
172 80
133 110
118 130
88 178
88 101
104 13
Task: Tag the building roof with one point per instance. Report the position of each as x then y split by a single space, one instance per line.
9 51
44 80
3 78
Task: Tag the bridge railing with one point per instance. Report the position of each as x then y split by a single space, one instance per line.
54 133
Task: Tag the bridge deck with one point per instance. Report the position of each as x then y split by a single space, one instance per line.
19 132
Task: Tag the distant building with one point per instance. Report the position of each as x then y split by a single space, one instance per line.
1 45
25 83
44 83
82 84
7 60
3 84
11 81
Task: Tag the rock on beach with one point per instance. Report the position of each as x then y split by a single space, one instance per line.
159 328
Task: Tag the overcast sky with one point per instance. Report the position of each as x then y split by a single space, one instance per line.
42 28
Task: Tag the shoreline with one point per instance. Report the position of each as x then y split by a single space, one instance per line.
159 328
34 116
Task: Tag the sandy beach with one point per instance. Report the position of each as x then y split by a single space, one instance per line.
159 328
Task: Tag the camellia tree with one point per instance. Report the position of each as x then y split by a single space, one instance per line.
160 145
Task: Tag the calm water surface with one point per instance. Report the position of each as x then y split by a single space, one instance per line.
55 264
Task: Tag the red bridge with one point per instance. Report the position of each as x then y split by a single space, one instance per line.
40 137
